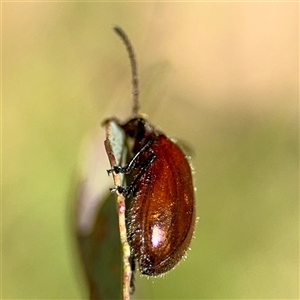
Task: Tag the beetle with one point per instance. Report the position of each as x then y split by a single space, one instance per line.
161 215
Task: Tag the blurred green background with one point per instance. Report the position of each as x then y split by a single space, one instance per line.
221 77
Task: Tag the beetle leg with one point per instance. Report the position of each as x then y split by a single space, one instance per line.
143 168
126 192
119 189
131 165
116 169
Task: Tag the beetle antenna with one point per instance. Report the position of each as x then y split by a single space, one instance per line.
134 69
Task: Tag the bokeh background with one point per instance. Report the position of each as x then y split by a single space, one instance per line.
221 77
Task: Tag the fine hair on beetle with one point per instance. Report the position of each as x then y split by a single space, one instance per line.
161 213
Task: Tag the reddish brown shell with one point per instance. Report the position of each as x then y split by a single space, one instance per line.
162 217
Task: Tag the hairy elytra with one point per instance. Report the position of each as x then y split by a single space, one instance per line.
161 216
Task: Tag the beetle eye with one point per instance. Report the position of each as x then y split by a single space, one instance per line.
135 128
140 133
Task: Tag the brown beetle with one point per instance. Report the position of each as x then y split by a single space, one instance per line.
161 217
